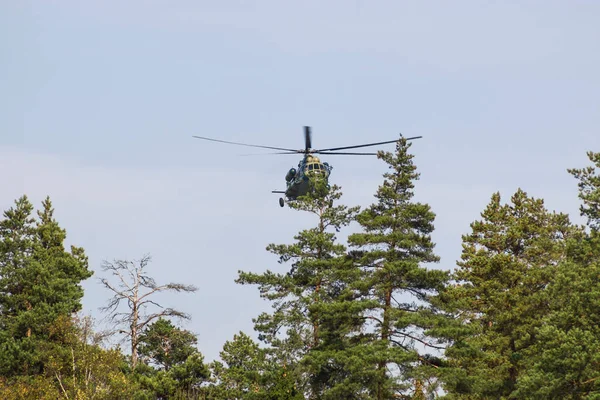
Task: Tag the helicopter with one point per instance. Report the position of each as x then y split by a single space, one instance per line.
310 167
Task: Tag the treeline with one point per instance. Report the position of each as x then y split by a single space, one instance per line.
372 318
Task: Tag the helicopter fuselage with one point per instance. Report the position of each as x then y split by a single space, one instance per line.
298 179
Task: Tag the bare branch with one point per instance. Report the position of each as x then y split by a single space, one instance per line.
150 302
131 281
178 287
118 273
169 312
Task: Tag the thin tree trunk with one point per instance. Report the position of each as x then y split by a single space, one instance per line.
512 370
385 336
316 318
134 321
29 307
134 335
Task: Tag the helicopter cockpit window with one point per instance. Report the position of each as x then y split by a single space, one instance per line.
316 169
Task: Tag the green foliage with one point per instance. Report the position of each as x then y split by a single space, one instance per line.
520 319
36 387
311 303
566 359
39 282
75 367
589 189
164 345
249 373
81 367
394 287
180 366
499 298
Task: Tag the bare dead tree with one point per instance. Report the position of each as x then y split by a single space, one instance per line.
134 287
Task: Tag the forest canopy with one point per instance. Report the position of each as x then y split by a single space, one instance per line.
372 317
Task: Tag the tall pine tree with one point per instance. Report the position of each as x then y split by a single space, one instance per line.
394 285
566 357
311 305
499 295
39 282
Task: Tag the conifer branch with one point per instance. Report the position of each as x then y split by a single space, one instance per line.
401 333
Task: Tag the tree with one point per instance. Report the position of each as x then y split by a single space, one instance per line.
136 289
81 367
164 345
565 358
394 287
589 189
180 366
308 300
499 297
566 355
39 282
250 373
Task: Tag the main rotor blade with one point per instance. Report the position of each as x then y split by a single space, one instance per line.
307 138
367 145
314 152
346 154
295 152
249 145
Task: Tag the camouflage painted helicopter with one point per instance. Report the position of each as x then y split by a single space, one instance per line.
310 167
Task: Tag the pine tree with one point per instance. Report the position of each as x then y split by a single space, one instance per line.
164 345
589 189
309 302
499 295
169 362
39 282
249 372
242 375
566 356
394 285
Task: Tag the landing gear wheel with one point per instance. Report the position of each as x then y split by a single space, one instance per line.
281 203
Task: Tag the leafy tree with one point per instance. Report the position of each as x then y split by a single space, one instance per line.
308 299
81 368
394 287
76 367
39 282
135 288
499 297
26 387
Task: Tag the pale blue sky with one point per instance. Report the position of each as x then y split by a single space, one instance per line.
99 102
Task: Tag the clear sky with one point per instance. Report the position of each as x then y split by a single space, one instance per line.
99 100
